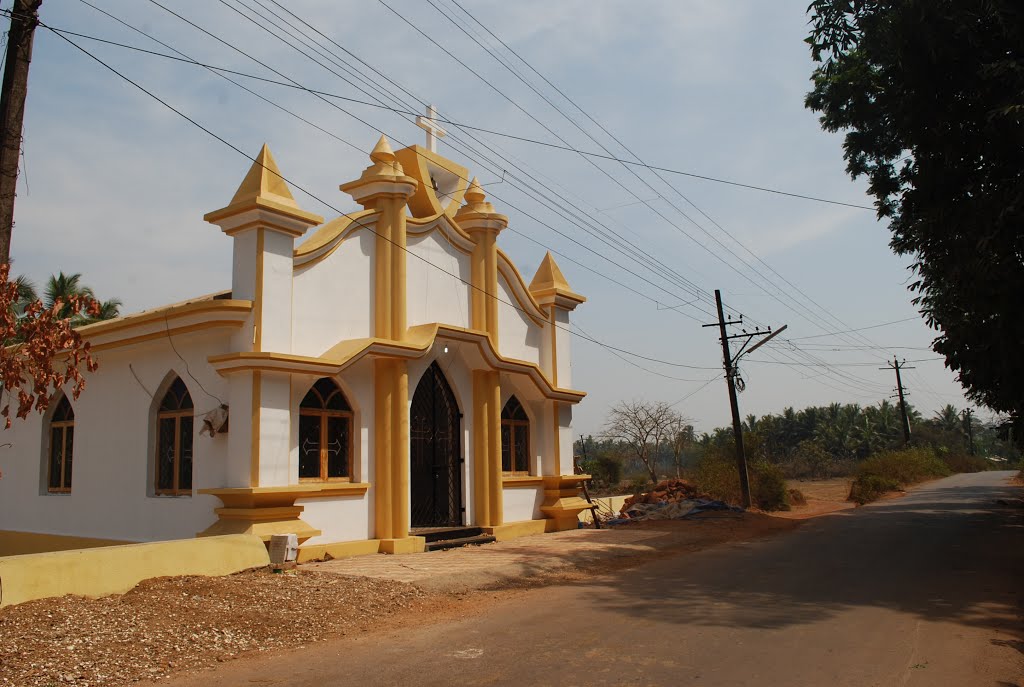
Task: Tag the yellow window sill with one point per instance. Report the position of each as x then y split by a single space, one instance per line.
521 481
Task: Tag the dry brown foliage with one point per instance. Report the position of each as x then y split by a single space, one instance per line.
42 353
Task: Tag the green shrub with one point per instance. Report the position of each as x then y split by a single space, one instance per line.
606 471
768 486
867 488
961 462
716 475
893 470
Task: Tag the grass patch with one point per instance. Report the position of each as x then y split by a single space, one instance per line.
893 470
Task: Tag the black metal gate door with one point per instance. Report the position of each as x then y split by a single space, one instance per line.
435 468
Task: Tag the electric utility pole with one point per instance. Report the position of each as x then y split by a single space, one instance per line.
968 420
897 365
24 19
729 362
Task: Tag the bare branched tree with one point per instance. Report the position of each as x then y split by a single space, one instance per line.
643 426
681 436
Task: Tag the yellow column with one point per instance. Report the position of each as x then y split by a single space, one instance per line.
491 275
487 485
383 449
494 448
400 451
481 458
478 279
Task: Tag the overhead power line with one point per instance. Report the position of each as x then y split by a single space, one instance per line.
461 125
345 214
303 88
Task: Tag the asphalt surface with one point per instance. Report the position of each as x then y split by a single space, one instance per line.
922 590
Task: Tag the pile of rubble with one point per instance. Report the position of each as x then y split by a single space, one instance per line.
670 499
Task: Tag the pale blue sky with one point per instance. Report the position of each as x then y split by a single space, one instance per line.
117 184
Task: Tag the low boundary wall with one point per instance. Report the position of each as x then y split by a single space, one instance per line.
116 569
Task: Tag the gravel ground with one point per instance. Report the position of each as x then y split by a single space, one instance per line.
167 624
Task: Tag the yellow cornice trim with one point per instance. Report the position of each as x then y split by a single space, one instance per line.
522 294
455 235
217 313
241 497
173 330
192 307
420 340
331 235
262 204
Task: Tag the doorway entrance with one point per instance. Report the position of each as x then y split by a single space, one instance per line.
435 470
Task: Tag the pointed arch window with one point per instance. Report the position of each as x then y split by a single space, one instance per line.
515 439
325 434
175 420
62 443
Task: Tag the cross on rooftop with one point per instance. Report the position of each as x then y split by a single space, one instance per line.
433 129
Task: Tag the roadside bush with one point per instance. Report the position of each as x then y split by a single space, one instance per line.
868 488
768 488
606 471
893 470
716 474
962 462
810 460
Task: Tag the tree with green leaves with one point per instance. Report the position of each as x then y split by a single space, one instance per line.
930 95
61 289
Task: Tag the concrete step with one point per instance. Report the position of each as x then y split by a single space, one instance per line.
432 534
443 544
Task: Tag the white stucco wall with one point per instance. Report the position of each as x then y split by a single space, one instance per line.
518 336
332 299
563 340
434 295
114 451
342 518
276 333
522 503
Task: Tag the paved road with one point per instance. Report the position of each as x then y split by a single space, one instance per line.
922 590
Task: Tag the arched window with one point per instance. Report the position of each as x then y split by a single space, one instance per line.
325 433
62 443
174 442
515 439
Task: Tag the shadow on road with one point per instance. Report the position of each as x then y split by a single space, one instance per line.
948 553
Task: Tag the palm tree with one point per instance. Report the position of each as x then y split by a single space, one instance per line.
62 287
948 419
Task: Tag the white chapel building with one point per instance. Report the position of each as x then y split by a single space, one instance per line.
392 373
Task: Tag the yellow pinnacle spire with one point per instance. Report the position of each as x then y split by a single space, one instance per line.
475 194
264 181
549 276
382 152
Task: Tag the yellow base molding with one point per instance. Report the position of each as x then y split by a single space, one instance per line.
403 545
341 549
514 530
19 543
116 569
562 523
562 503
262 522
264 511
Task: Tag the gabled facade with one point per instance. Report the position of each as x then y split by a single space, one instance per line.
392 372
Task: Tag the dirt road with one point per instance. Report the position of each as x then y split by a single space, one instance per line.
922 590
